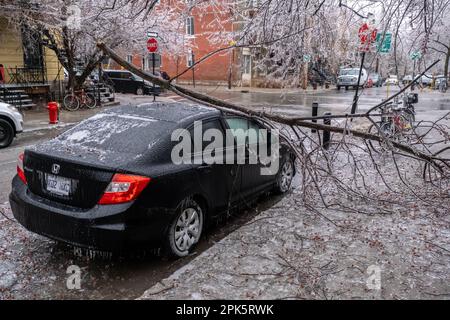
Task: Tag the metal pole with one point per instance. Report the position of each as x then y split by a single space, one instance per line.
153 71
100 83
326 134
193 72
315 110
414 71
355 99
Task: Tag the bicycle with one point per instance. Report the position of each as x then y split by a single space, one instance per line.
396 121
79 98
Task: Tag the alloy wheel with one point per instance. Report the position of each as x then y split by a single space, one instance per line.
187 229
287 174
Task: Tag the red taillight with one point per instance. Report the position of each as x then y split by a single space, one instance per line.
20 171
124 188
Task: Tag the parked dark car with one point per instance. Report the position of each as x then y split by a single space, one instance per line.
109 183
127 82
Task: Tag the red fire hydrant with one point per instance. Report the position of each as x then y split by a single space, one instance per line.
53 112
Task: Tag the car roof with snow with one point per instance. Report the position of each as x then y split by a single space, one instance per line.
123 136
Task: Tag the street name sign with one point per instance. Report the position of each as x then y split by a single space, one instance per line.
384 42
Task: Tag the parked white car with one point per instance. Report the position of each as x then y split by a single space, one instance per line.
348 77
11 123
426 79
407 79
392 81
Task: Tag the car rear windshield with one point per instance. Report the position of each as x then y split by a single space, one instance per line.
116 133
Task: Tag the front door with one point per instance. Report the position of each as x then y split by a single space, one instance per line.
220 181
248 161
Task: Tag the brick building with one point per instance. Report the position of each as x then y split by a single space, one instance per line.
198 27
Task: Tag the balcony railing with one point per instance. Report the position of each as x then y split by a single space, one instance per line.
27 75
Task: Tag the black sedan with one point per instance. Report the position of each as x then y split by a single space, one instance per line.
110 183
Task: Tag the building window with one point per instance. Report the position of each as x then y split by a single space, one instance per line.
190 26
190 58
247 64
147 62
144 64
129 58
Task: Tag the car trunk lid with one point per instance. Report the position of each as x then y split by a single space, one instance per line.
76 167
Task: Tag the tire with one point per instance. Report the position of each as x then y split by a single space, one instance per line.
386 128
71 102
90 101
346 87
285 175
140 91
338 87
186 229
6 133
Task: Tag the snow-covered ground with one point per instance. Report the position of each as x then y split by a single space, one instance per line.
288 252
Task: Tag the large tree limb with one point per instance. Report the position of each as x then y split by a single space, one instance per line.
290 121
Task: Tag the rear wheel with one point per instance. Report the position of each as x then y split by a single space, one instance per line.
6 133
186 229
338 87
71 102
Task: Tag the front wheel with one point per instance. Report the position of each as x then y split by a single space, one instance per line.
71 102
6 133
385 131
186 229
140 91
90 102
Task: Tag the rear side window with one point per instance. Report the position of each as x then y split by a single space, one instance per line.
113 75
239 127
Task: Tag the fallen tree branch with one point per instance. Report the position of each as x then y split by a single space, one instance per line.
290 121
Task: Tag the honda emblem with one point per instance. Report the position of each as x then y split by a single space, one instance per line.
55 168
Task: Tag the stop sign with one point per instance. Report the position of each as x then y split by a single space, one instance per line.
367 36
152 45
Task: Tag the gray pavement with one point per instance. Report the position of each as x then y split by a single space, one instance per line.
131 279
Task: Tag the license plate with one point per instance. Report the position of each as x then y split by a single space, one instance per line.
58 185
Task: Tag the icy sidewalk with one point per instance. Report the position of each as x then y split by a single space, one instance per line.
289 253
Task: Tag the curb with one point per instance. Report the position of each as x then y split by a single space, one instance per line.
58 126
68 124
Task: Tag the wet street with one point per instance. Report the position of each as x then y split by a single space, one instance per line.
37 267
